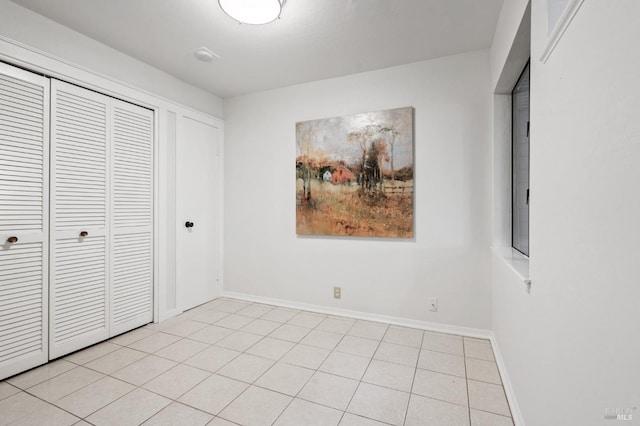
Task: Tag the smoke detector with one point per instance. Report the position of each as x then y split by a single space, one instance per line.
205 55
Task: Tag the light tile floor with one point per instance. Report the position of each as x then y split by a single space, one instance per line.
234 362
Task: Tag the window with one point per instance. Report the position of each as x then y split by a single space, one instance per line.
520 163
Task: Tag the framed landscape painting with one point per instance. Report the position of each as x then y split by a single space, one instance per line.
354 175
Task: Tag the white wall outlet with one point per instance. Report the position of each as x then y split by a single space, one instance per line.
433 305
337 293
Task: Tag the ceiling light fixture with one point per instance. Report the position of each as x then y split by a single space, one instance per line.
252 11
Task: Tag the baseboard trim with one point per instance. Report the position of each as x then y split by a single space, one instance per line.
516 414
165 315
403 322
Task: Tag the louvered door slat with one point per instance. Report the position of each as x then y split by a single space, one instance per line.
24 182
71 109
21 130
11 133
23 157
85 140
132 149
10 289
20 264
15 185
14 99
17 332
18 320
73 153
20 150
22 297
22 119
19 85
20 277
86 288
19 348
80 202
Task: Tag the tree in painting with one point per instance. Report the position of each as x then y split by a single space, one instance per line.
354 175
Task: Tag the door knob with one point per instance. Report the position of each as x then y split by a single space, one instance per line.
188 224
12 240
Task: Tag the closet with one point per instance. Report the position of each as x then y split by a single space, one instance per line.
76 218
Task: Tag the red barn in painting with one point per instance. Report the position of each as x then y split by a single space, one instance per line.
342 176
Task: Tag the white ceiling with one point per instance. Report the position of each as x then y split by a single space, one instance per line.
313 40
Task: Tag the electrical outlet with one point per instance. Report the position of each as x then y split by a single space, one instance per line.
337 293
433 305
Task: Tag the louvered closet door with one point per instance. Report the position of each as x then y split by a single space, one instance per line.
24 175
79 299
132 216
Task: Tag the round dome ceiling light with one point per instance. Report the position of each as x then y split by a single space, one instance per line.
252 11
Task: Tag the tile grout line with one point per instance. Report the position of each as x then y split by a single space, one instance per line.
224 365
209 372
275 363
345 334
141 386
365 372
415 371
135 387
48 403
83 418
253 383
331 374
504 392
316 370
466 379
93 412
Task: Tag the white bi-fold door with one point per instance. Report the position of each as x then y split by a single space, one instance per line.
101 217
131 253
24 219
80 190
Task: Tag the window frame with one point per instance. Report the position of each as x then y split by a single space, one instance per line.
527 67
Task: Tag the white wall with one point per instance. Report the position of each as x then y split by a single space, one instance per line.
449 258
22 25
510 47
571 347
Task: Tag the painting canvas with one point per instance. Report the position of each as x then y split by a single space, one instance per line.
354 175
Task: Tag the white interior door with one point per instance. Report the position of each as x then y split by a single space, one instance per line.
79 285
131 216
197 212
24 219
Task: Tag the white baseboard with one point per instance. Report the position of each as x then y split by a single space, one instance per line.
165 315
404 322
518 420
